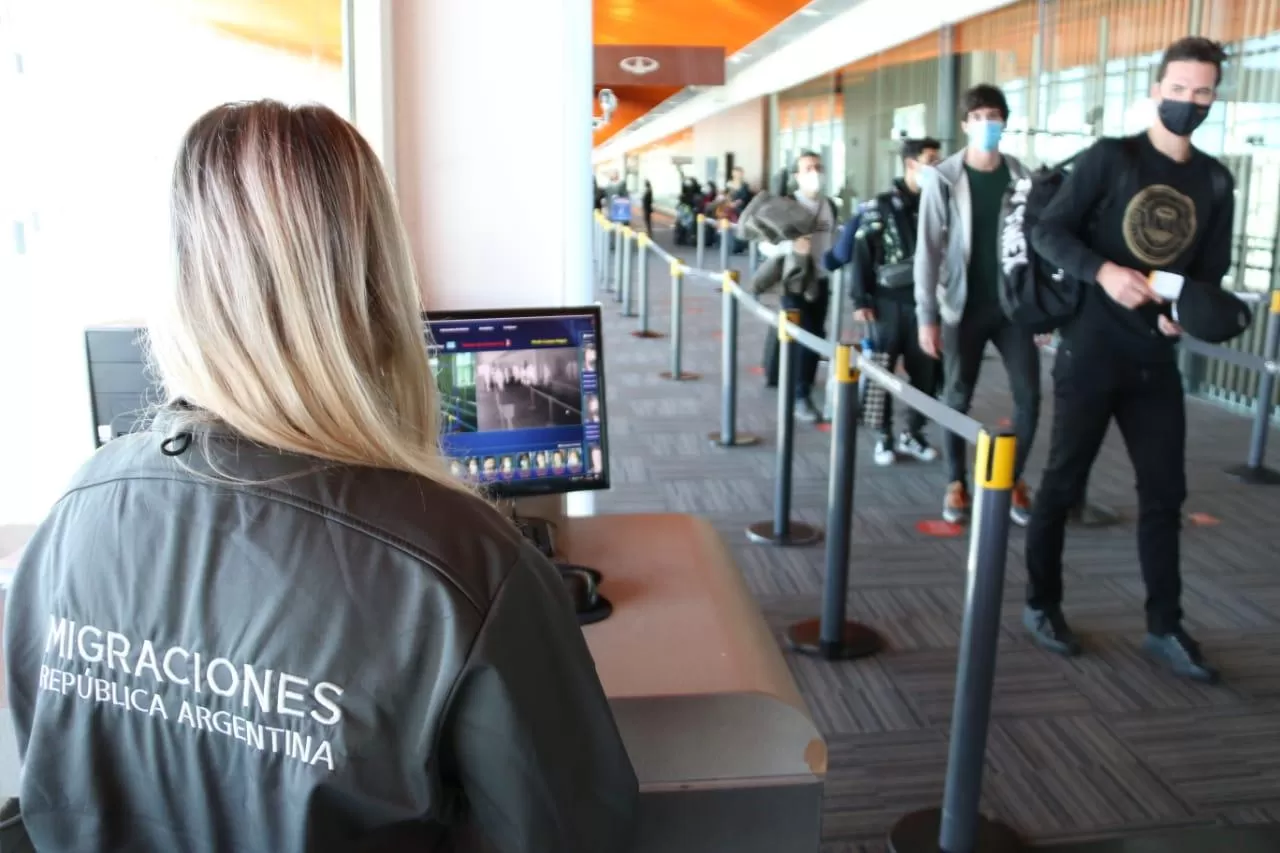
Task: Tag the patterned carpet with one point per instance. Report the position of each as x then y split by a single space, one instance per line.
1099 746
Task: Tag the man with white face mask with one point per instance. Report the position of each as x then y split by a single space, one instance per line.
962 299
813 312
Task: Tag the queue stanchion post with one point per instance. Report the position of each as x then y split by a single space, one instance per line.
595 244
959 826
836 325
615 282
677 371
728 435
642 275
624 287
833 636
700 240
1254 471
781 530
726 243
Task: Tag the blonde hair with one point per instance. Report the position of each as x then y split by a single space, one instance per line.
295 317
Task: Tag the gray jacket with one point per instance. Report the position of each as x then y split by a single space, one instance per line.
334 659
943 243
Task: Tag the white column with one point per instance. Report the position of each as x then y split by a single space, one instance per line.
491 145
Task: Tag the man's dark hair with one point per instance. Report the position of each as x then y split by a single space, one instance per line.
911 149
984 96
795 167
1193 49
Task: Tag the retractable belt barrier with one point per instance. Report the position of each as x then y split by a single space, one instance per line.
958 826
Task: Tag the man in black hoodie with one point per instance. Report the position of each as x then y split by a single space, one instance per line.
882 289
1131 207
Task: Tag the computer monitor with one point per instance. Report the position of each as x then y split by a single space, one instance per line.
523 395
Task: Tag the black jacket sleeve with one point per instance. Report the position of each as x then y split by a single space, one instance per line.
530 736
1057 236
862 272
1213 256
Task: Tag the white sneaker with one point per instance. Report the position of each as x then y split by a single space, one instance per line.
884 454
916 447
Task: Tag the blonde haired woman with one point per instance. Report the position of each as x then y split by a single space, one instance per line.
276 622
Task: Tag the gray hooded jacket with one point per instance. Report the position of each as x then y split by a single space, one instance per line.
943 243
335 659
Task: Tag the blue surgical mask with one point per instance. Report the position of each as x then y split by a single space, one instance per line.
984 134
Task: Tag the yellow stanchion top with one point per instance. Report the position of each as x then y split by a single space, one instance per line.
1275 302
994 464
731 275
628 232
642 240
702 217
676 269
725 224
785 317
846 365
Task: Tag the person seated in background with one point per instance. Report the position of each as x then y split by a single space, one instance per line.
276 621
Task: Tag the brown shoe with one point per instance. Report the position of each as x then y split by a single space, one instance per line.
1020 506
955 508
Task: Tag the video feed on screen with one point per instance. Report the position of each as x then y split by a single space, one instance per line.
522 395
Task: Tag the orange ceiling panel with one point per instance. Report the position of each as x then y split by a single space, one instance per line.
633 102
731 23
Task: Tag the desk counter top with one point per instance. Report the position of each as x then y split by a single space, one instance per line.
698 684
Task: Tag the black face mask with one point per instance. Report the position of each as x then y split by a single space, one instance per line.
1181 118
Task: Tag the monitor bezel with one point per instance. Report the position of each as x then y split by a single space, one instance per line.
515 489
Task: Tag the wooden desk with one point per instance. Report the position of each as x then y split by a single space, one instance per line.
726 752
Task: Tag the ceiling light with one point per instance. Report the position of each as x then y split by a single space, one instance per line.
738 57
810 13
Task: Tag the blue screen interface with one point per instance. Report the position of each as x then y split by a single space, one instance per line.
522 399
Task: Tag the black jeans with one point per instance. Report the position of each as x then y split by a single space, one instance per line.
1090 387
962 349
898 336
813 318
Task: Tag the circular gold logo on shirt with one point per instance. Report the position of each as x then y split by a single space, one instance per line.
1159 225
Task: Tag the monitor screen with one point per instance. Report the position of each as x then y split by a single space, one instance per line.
523 397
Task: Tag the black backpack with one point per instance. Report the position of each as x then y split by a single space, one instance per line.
1043 297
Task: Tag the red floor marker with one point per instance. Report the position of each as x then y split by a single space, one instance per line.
756 370
1203 519
822 427
1004 423
716 336
939 529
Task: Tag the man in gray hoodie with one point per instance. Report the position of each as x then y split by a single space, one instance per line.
962 301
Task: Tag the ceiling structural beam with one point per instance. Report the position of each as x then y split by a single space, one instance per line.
658 65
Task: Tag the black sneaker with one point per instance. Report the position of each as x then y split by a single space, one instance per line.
1181 654
807 411
1050 631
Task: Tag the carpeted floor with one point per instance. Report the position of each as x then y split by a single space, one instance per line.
1099 746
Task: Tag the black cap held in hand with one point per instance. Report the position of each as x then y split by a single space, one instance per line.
1210 313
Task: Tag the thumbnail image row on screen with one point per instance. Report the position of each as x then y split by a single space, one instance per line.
557 462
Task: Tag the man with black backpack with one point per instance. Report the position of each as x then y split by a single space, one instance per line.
1131 209
962 300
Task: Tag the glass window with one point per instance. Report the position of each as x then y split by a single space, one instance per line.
93 114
